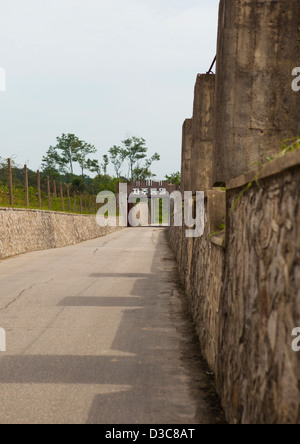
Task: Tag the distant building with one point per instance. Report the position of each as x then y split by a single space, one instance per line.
153 190
150 188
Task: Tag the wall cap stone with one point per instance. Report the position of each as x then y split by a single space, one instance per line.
33 210
218 239
269 169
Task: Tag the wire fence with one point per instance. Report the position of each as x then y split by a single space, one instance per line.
36 192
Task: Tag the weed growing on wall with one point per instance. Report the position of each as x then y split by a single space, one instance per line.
287 146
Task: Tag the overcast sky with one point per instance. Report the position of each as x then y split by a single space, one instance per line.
101 69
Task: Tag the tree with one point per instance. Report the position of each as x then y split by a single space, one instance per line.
174 179
143 172
93 166
81 157
68 151
50 163
63 155
104 183
78 184
135 149
117 157
105 163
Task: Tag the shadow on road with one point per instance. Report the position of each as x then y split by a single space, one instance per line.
167 379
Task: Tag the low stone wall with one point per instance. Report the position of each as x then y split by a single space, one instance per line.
260 304
245 296
200 265
31 230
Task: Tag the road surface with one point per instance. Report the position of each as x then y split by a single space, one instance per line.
96 334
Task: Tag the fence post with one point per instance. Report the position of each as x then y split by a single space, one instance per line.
90 204
26 186
39 189
80 203
62 196
75 202
54 189
49 192
10 184
85 203
68 196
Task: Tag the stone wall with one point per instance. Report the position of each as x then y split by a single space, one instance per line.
200 265
30 230
244 294
260 304
243 284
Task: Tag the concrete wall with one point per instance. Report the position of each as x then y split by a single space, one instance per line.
244 295
30 230
255 106
187 134
203 133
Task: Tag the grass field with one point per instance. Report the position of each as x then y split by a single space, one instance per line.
56 204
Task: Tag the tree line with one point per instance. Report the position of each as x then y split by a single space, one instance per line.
129 160
62 162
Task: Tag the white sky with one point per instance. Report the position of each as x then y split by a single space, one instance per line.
102 69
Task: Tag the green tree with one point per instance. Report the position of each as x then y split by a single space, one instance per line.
63 155
83 151
117 157
105 163
50 164
104 183
174 179
143 172
93 166
135 150
78 184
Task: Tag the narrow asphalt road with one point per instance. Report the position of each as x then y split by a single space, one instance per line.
96 333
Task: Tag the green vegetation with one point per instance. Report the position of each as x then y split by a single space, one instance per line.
290 145
60 164
287 146
56 204
222 227
174 179
161 215
135 152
